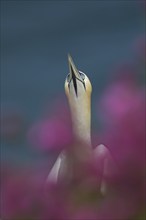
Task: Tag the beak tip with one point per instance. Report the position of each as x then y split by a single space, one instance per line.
72 67
69 58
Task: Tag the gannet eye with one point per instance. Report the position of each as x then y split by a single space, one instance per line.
82 75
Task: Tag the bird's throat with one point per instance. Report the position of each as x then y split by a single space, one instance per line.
81 118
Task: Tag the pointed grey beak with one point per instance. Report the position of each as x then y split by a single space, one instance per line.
74 75
72 68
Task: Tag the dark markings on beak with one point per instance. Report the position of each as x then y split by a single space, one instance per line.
74 81
74 78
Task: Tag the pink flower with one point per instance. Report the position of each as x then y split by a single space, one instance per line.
50 134
119 98
122 109
24 196
53 132
126 142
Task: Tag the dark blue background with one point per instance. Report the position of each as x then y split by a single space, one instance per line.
36 37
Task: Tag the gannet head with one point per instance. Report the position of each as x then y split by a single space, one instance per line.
77 84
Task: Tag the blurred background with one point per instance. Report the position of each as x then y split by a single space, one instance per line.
36 37
107 41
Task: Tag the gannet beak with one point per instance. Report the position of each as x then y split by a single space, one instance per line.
74 74
72 68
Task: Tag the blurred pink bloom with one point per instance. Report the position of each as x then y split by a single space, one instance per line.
54 132
85 213
50 134
126 141
120 98
24 196
122 109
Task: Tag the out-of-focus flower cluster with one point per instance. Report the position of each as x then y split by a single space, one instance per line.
25 194
54 131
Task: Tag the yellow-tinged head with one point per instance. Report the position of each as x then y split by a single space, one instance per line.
77 84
